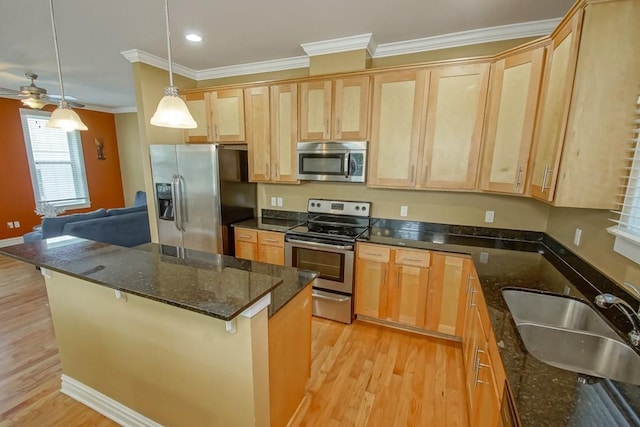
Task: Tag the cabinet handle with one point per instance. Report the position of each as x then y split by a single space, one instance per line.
371 254
411 259
547 169
412 175
326 128
276 170
425 174
266 168
469 278
337 124
243 236
271 240
398 278
208 130
215 131
518 177
471 293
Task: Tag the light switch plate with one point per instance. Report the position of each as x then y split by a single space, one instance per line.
577 237
273 201
404 210
279 202
489 216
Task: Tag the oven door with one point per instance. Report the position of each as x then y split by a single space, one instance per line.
334 262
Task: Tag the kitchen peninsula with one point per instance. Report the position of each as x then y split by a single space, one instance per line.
148 337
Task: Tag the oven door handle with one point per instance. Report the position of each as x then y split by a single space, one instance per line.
338 299
322 245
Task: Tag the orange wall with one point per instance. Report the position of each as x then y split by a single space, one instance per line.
16 194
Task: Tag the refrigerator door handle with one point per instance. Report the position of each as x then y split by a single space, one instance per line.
176 202
180 181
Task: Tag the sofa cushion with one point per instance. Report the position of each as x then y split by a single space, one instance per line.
124 230
124 211
52 227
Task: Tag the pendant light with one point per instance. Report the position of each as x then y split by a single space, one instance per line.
63 117
172 112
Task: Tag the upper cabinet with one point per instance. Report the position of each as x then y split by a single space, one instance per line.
198 105
589 96
334 109
453 128
227 115
515 83
427 127
271 124
398 100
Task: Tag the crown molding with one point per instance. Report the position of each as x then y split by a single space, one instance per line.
120 110
254 68
137 55
343 44
466 38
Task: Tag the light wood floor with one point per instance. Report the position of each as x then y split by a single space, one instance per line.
361 374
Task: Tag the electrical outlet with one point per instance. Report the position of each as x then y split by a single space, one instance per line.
577 237
280 202
489 216
484 257
16 224
10 224
404 210
273 201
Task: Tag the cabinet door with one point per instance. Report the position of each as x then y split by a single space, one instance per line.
556 97
351 108
256 105
398 102
485 410
284 133
271 255
315 110
198 105
408 295
227 115
446 303
372 274
453 132
515 82
246 243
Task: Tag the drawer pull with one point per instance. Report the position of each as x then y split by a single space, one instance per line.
244 236
370 254
411 259
271 240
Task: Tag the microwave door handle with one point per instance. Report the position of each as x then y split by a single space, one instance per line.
346 164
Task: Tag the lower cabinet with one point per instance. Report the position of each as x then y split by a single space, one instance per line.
411 287
259 245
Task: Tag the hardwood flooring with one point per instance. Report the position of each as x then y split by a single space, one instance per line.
361 375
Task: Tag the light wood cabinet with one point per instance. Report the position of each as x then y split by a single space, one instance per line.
272 133
198 104
515 84
372 274
407 301
453 128
398 101
284 133
259 245
227 115
590 125
448 278
334 109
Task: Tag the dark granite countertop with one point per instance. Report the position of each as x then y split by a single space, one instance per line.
214 285
269 224
544 395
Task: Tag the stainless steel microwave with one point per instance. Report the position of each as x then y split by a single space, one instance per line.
332 161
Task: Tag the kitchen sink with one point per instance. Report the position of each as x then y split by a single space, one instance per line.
569 334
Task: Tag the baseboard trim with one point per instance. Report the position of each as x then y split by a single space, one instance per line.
11 241
407 328
105 405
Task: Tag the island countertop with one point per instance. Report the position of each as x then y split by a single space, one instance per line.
215 285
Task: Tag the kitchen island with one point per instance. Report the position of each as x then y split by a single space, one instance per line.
147 337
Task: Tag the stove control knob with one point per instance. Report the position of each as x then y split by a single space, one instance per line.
313 205
364 208
357 208
319 204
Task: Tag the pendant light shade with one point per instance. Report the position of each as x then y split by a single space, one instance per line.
63 117
172 111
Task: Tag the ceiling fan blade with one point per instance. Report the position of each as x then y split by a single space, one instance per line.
75 104
5 91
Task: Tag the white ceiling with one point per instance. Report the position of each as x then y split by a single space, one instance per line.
93 33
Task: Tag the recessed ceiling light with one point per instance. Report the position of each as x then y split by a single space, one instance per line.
193 38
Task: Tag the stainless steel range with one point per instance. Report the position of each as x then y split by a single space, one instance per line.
326 243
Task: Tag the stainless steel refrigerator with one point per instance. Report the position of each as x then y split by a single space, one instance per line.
199 191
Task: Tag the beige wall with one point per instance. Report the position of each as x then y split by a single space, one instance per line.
130 155
431 206
149 85
596 244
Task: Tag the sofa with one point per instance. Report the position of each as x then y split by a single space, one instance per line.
119 226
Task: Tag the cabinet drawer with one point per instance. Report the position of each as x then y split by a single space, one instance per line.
268 238
374 252
413 258
244 235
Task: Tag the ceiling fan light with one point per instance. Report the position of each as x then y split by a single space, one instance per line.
34 103
172 112
66 119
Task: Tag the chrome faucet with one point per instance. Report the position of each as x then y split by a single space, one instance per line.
609 300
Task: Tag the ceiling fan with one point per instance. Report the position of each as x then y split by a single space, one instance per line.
34 96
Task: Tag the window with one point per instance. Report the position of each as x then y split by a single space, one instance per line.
627 230
55 162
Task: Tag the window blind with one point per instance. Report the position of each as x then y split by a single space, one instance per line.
56 162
